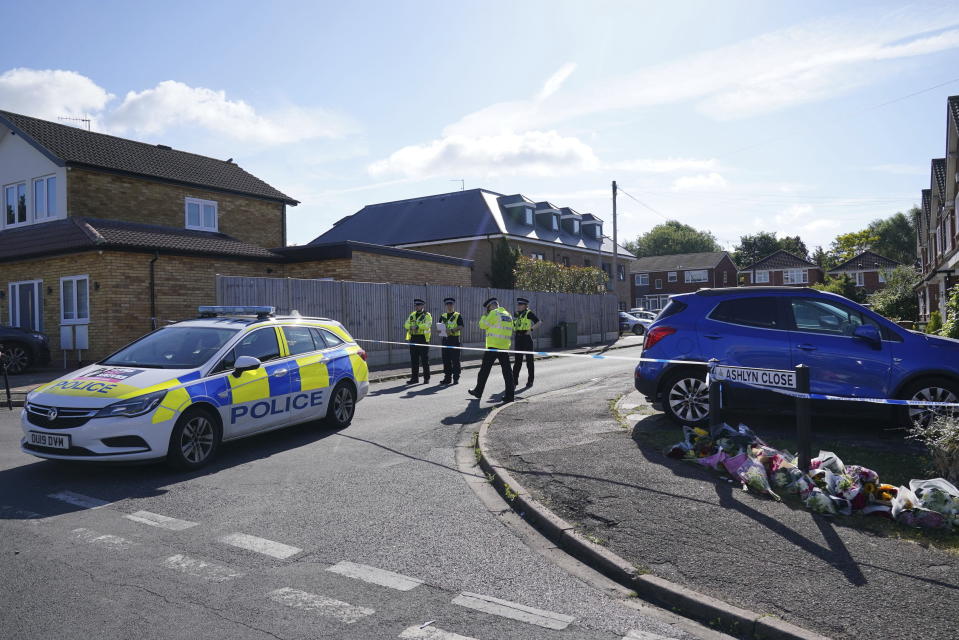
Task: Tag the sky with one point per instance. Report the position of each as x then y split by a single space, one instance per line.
808 118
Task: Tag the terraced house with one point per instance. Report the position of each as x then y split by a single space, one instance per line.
781 268
103 239
937 229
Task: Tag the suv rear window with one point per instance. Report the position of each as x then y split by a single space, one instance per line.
672 308
749 312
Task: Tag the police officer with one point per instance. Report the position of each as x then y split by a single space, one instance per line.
498 326
454 329
419 326
524 322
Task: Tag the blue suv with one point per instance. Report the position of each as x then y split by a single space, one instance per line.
850 350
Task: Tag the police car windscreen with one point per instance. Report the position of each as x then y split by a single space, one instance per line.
173 348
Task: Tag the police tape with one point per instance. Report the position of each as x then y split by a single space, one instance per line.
823 396
548 354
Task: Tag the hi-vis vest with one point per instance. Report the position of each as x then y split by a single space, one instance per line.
522 321
451 320
419 324
498 325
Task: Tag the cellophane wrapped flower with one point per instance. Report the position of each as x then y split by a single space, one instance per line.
827 460
819 502
753 475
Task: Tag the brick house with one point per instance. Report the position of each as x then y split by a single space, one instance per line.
937 228
102 239
781 268
655 278
466 224
868 269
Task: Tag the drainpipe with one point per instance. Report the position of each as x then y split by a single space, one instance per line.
153 291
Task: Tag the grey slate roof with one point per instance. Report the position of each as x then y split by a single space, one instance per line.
954 111
70 146
474 213
82 234
345 249
780 260
678 261
869 260
939 175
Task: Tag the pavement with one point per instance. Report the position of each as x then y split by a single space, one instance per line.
385 529
586 464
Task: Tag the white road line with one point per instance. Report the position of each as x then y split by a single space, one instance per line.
637 634
261 545
163 522
200 568
514 611
95 537
431 633
78 499
342 611
8 512
381 577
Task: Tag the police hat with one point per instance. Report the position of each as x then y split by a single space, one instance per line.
449 300
522 300
490 301
418 301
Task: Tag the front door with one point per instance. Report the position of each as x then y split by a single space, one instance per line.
25 306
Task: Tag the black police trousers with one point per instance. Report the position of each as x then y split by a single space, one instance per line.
524 342
419 355
489 358
451 358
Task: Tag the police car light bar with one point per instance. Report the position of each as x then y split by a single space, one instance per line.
258 311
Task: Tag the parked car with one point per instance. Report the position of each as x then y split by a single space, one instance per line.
643 314
630 323
21 349
850 350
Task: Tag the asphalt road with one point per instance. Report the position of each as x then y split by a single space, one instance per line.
369 532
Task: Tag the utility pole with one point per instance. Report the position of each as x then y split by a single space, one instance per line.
614 274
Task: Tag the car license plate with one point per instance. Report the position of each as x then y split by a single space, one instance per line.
51 440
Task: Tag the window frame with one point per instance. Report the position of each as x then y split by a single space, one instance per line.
882 276
641 279
672 276
76 320
802 273
187 201
687 276
764 279
535 255
860 279
659 283
45 181
26 204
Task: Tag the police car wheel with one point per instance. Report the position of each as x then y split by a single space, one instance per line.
195 440
686 398
928 390
342 406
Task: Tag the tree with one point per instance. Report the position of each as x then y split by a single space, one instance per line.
935 322
503 265
897 300
950 328
843 285
542 275
754 248
821 257
896 236
670 238
850 245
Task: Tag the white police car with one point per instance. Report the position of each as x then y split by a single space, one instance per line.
178 392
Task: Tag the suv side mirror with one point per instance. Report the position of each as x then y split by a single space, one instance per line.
868 333
245 363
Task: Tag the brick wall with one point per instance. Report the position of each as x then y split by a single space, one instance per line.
337 268
105 195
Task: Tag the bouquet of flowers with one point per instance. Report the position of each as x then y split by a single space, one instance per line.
937 495
819 502
827 460
907 510
753 476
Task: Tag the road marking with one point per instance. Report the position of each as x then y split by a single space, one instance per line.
95 537
261 545
431 633
163 522
381 577
200 568
78 499
514 611
637 634
9 513
342 611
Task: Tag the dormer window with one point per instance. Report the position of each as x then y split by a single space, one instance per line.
554 222
526 215
201 215
575 226
593 230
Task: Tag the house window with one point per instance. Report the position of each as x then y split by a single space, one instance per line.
725 277
74 300
698 275
762 276
537 256
528 216
15 204
671 276
201 214
659 283
860 279
796 276
26 305
642 280
882 277
44 197
554 223
621 272
576 227
565 261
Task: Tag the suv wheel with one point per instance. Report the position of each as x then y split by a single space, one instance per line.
195 440
16 357
686 398
928 390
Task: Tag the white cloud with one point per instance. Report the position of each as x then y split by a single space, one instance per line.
821 224
793 213
665 165
700 182
541 153
51 93
555 81
174 104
